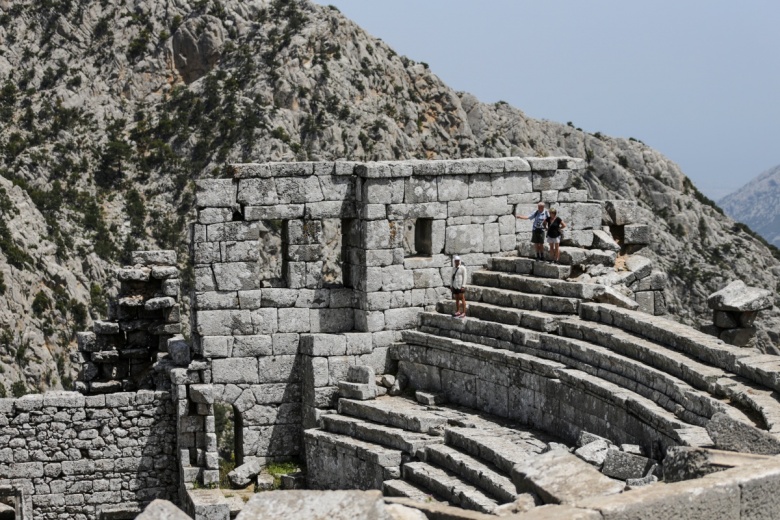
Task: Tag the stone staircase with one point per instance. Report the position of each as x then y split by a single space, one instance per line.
444 454
673 377
543 354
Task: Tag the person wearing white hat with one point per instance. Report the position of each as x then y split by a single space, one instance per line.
459 287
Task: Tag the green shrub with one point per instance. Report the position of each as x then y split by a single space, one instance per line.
2 283
41 303
98 300
18 389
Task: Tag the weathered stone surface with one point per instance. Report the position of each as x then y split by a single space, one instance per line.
624 466
242 476
729 434
315 505
603 240
464 239
213 193
686 463
637 234
149 258
640 265
622 212
559 477
594 453
162 510
737 296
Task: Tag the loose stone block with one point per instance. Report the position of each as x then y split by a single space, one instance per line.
150 258
213 193
580 215
646 301
624 466
544 164
738 297
729 434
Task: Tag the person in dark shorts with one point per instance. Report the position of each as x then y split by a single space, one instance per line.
554 225
459 288
537 219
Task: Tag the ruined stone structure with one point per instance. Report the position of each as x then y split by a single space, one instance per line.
321 287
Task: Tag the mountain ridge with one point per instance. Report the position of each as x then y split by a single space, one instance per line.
112 111
757 204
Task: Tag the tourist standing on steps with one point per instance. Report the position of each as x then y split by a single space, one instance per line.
554 226
459 288
537 234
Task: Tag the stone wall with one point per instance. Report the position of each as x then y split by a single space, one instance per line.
73 456
401 223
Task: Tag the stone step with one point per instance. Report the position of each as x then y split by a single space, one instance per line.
746 362
518 300
378 463
394 413
533 285
647 410
573 255
402 488
484 476
488 333
749 396
534 320
502 447
396 438
550 270
448 486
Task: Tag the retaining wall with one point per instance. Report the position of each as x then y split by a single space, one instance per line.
71 456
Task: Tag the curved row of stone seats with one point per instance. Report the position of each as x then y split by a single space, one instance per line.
675 395
763 369
448 454
755 400
531 293
541 392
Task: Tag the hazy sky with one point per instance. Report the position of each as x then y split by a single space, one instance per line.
698 80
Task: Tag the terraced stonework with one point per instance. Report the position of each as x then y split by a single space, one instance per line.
322 322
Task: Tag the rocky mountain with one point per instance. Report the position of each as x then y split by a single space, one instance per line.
757 204
110 110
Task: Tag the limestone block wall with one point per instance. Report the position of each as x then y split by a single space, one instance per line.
296 333
73 456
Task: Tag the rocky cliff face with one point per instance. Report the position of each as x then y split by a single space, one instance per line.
757 204
109 111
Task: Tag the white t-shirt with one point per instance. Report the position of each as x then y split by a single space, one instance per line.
459 277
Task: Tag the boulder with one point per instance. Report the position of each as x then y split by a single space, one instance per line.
593 453
737 296
603 240
242 476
